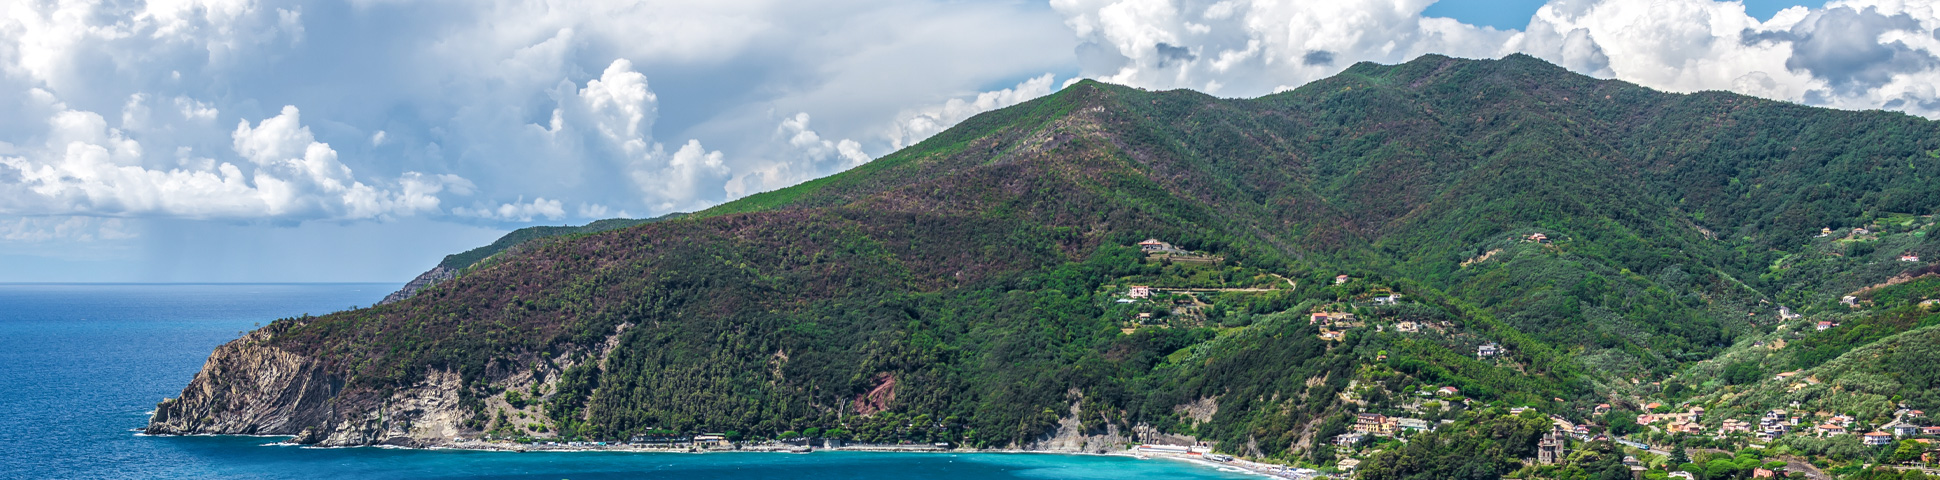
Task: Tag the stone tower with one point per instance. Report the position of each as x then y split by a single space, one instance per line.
1553 447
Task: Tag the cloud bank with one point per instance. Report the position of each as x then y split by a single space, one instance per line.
254 115
1852 54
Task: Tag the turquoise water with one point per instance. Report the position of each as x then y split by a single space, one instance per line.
81 365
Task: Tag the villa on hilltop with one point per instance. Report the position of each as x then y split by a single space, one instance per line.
1153 245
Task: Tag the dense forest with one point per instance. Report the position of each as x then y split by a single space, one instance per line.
973 288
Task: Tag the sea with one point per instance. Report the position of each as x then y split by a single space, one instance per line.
82 366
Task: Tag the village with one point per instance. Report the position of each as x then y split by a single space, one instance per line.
1652 434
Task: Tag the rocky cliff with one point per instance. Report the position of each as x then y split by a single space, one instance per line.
424 280
249 387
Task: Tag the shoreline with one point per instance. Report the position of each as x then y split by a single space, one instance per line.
1234 466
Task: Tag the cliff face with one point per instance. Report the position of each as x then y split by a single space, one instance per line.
423 281
250 388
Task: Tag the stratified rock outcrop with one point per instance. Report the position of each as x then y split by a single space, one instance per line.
423 281
250 388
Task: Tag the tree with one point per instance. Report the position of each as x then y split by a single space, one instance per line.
1679 456
1907 451
1623 422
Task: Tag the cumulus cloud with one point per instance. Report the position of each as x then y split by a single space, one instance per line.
612 118
86 167
510 100
823 154
920 123
1246 48
1847 54
519 211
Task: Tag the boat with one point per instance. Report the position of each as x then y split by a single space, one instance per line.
800 449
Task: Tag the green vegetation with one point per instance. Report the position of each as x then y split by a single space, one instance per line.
459 261
973 288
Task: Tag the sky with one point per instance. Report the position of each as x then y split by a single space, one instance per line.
362 140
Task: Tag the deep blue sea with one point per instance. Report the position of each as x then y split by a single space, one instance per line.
82 365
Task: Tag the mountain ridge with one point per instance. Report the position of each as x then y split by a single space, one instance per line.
978 274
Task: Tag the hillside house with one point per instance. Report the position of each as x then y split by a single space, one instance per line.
1861 231
1153 245
1448 391
1488 350
1901 429
1348 465
1537 237
1349 438
1388 300
1930 431
1823 326
1909 258
1407 327
1825 231
1373 423
1830 429
1140 291
1786 313
1329 318
1412 424
1850 301
1601 408
1784 376
1842 420
1340 279
1735 426
1876 438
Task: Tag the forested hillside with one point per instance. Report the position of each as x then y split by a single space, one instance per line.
981 287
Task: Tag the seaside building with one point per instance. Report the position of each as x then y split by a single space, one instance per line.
1553 448
1876 438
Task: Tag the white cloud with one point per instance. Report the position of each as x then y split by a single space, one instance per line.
195 110
1849 54
88 168
914 126
1248 48
522 99
63 229
612 119
822 155
519 211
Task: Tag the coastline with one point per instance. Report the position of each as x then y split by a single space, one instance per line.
1234 466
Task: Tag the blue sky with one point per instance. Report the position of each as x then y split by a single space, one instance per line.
1514 14
361 140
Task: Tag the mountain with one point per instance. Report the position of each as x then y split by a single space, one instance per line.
977 287
454 264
